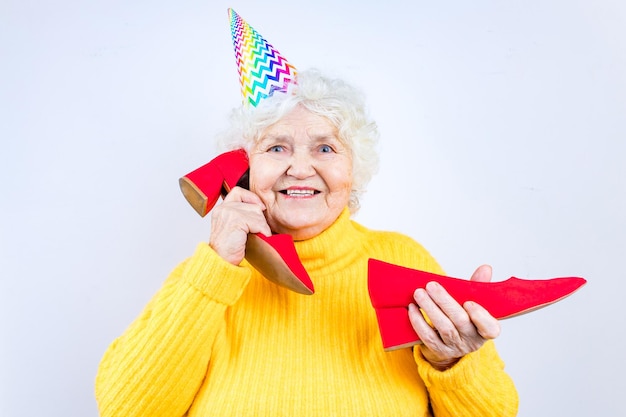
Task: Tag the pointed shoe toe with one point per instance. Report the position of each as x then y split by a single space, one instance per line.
275 257
391 287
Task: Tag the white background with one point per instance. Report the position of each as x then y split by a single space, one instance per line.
503 141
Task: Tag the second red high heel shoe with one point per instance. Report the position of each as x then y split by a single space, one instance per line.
275 256
391 289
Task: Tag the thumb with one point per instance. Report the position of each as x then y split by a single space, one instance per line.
482 274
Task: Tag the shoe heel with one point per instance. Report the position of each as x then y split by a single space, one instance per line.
203 186
395 328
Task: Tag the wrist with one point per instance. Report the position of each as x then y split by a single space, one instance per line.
439 363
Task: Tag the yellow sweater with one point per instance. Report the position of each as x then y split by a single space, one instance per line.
220 340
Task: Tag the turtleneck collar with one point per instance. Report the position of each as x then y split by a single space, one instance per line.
335 243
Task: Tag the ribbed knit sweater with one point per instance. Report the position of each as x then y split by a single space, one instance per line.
221 340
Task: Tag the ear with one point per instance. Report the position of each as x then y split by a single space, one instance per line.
203 186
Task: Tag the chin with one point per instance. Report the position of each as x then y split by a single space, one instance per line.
300 230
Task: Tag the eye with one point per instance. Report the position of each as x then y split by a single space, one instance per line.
326 149
276 148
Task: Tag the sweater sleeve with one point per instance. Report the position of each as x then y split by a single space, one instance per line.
157 366
475 386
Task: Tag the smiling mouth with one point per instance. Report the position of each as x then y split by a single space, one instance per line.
299 193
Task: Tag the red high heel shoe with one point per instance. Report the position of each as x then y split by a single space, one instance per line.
391 289
275 256
203 186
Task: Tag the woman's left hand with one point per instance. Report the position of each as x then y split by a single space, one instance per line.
456 330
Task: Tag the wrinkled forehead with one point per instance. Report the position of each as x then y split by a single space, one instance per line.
301 121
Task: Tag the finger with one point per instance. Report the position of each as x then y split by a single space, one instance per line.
482 274
427 334
238 194
237 217
445 314
249 208
486 325
260 226
451 309
252 219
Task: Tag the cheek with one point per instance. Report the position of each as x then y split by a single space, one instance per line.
342 179
263 174
345 174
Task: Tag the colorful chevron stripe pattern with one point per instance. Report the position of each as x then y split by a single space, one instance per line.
262 69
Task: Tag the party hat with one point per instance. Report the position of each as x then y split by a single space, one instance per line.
262 69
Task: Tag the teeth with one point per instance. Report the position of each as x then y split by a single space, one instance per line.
299 192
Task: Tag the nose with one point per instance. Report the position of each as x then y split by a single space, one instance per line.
301 165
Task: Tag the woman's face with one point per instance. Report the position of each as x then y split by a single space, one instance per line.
302 173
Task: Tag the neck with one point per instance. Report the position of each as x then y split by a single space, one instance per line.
334 243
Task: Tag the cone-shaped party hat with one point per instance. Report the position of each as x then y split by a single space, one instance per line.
262 69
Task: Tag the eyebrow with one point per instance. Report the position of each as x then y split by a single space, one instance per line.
325 136
263 140
320 137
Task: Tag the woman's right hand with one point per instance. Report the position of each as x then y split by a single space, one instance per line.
240 213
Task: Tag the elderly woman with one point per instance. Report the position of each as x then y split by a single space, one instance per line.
220 339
